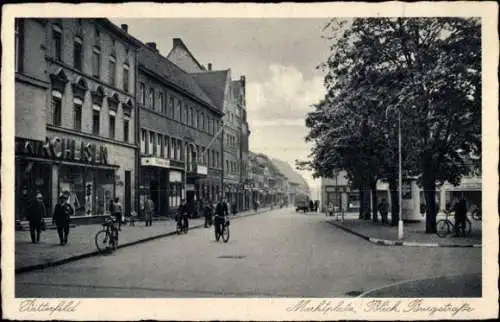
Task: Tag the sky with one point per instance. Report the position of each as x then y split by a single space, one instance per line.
278 58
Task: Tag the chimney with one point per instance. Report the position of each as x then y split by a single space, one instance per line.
152 45
209 65
177 42
124 27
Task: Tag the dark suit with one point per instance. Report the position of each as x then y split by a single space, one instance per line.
62 214
35 216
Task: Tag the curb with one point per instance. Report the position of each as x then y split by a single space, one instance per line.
66 260
385 242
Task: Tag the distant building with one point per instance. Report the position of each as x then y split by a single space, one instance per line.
295 182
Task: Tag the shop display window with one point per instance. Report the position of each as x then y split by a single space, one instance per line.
90 190
32 177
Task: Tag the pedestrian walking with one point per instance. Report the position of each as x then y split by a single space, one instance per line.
36 213
118 212
149 208
460 216
207 211
61 218
383 208
221 212
330 209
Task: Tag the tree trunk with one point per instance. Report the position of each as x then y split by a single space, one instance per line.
373 188
366 202
393 188
361 205
430 202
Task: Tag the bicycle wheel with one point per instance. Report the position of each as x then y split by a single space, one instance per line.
102 240
443 228
186 228
178 228
225 233
468 227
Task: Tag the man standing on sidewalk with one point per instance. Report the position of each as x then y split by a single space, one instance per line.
149 208
460 216
35 216
117 212
61 217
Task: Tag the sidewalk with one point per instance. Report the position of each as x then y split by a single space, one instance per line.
414 233
48 252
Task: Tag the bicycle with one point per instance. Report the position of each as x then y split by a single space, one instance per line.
444 227
477 215
182 225
225 231
107 238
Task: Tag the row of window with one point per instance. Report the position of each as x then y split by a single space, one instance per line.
231 140
164 146
232 167
78 57
176 109
57 112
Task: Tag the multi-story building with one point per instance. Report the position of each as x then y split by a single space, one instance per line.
75 113
239 95
229 97
180 154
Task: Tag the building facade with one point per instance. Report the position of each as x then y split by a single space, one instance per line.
295 183
229 97
75 114
180 155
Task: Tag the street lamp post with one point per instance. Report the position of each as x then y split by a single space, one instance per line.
400 179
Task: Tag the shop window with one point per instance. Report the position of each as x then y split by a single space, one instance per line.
77 115
112 125
126 78
126 125
96 62
112 70
32 177
90 190
96 122
143 142
19 45
77 53
57 42
56 108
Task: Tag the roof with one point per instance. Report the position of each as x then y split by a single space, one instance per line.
119 31
156 63
214 84
179 43
287 170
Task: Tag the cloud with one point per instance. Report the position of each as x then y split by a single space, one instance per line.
286 95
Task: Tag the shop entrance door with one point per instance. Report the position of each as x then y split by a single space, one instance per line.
128 193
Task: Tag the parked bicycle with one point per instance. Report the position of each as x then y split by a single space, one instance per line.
224 233
445 227
107 238
477 214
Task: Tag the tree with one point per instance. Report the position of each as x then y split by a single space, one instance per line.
428 69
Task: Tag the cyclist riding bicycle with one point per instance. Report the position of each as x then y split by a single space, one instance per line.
183 212
221 212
